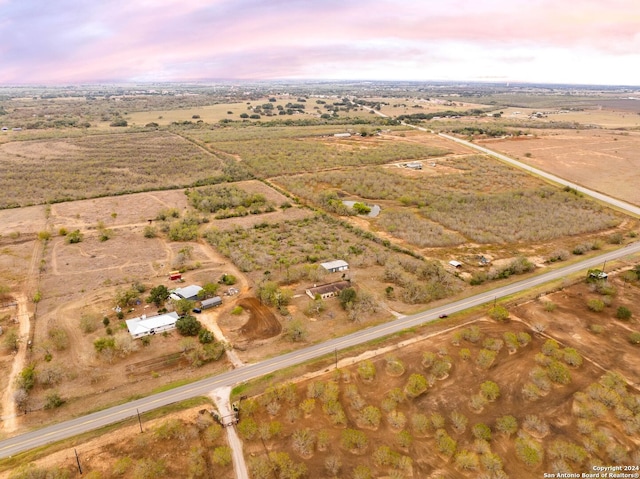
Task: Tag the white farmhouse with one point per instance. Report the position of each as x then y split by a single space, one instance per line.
143 326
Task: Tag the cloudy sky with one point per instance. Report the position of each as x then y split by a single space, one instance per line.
80 41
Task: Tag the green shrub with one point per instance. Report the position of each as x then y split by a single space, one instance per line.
615 238
596 328
205 336
104 344
416 385
354 440
572 357
188 326
558 373
490 390
367 370
445 443
27 378
595 305
74 237
486 358
481 431
295 331
150 232
529 451
221 456
507 425
623 313
550 347
53 401
228 279
499 313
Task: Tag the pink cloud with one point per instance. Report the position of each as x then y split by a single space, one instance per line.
71 40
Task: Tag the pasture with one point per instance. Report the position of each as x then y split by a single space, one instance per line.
606 161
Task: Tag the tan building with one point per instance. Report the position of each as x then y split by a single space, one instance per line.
328 290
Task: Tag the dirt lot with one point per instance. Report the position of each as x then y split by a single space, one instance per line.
606 161
262 323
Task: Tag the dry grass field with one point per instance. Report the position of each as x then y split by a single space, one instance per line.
407 106
206 113
606 161
100 165
215 113
76 283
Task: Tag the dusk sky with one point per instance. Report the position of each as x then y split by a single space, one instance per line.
549 41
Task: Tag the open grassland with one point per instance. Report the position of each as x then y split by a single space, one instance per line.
265 109
206 113
606 161
473 197
541 100
602 118
100 165
406 106
249 131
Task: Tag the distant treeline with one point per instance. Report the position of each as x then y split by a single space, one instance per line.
319 121
492 131
441 114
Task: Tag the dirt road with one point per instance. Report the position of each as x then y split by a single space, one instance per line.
9 412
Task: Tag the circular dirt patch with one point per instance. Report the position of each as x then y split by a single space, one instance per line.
262 323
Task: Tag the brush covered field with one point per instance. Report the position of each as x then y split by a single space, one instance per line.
543 392
193 209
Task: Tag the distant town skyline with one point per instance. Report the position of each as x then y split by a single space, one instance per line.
588 42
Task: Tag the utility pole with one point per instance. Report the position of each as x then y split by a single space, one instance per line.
336 353
139 420
78 461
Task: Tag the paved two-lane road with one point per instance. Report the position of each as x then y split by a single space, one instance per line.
95 420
